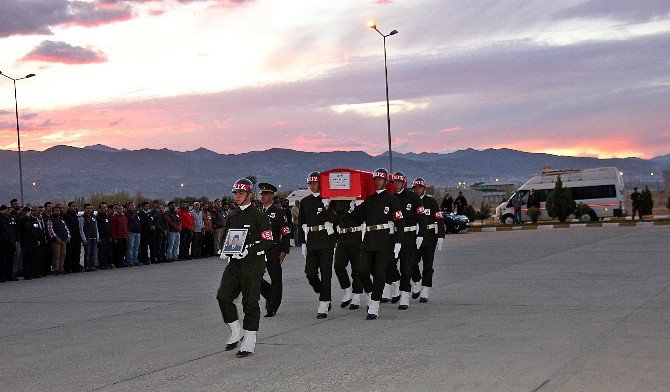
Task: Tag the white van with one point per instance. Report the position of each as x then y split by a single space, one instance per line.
601 189
297 195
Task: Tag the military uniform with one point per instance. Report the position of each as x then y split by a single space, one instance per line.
348 250
426 253
272 291
415 227
318 222
382 216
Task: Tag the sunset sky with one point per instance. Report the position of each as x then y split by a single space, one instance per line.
573 77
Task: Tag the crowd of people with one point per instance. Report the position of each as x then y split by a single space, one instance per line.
41 240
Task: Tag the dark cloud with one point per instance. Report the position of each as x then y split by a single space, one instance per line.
62 52
26 17
623 10
28 116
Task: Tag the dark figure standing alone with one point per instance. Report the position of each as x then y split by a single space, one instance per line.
636 198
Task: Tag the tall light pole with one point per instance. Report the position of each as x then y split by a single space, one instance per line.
18 133
373 25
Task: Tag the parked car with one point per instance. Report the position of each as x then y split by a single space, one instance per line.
454 223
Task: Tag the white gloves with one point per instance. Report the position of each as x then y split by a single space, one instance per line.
329 228
396 250
363 230
242 255
304 250
225 257
419 241
304 230
352 205
325 202
439 243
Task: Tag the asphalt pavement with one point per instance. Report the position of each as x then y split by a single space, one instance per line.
561 310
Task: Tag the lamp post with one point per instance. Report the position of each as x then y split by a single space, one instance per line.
373 25
18 133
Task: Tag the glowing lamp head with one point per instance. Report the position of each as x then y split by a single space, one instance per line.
372 24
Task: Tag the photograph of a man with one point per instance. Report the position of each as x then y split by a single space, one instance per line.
234 242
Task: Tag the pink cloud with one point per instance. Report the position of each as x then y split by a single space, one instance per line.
452 129
62 52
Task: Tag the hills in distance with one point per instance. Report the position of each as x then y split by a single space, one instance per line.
65 172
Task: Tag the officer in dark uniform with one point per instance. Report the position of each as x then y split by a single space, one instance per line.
433 238
9 237
382 216
399 282
272 291
316 226
245 270
348 250
32 237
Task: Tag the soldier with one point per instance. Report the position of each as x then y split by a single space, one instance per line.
272 291
348 250
434 237
315 223
382 216
244 272
399 283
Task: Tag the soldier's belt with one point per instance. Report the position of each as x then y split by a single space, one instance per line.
432 226
317 228
344 230
411 228
384 226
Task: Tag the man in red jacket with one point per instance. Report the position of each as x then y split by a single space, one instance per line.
119 227
186 232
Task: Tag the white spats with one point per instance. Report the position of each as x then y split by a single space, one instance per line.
348 294
404 299
356 299
395 289
248 342
323 307
373 307
236 332
386 294
424 292
416 287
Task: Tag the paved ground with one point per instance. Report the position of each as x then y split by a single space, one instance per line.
566 310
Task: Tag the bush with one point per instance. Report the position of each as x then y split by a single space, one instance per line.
470 212
484 212
559 202
533 213
647 202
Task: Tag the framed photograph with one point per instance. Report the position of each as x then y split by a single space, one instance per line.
234 242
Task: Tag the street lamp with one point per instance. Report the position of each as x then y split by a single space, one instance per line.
18 133
373 25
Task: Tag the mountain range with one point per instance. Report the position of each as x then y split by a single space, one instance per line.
64 172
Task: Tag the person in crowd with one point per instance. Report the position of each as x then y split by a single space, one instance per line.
435 231
461 203
147 228
160 234
104 237
272 291
244 271
198 224
43 259
207 236
60 236
517 204
31 234
218 220
316 224
88 231
447 203
119 231
174 231
534 201
47 211
134 231
295 212
15 213
636 199
9 239
73 253
186 233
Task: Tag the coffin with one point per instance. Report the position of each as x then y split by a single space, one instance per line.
348 184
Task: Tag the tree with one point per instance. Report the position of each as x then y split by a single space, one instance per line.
559 202
484 212
647 203
470 212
